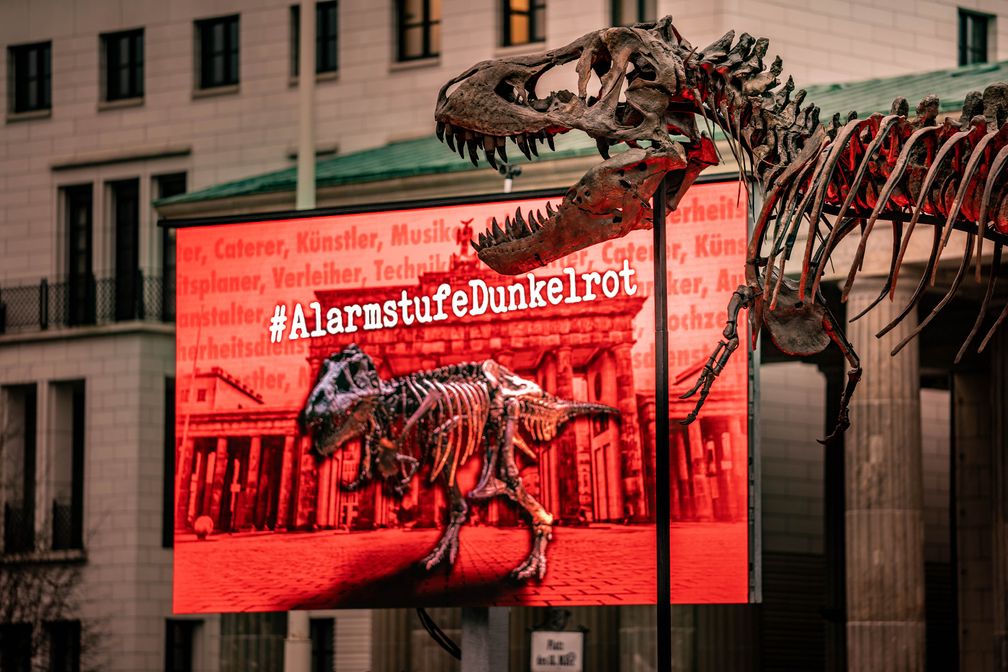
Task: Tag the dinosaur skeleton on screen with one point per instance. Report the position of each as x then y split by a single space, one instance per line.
442 417
654 85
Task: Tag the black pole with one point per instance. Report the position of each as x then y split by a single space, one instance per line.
662 512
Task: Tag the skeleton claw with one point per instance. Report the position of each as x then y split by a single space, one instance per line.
534 565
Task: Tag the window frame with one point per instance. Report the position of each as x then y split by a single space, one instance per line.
330 7
644 12
426 25
41 52
110 50
536 32
229 51
967 52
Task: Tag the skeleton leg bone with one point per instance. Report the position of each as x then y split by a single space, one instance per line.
534 566
853 375
447 547
741 298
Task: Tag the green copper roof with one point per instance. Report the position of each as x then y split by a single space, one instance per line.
427 156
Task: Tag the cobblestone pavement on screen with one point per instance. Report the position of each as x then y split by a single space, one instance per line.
274 572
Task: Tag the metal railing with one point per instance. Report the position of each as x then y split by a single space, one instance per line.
84 301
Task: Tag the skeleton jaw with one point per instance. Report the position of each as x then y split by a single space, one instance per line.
610 200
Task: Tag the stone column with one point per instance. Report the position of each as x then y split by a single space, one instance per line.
884 517
286 483
566 448
183 482
218 484
629 433
249 497
307 484
973 441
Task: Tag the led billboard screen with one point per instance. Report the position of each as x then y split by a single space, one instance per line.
369 417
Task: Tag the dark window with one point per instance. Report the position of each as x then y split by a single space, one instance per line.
31 69
973 31
80 299
166 186
64 646
126 224
326 34
179 637
66 479
524 21
418 29
201 395
217 40
18 433
168 489
124 64
629 12
15 647
322 649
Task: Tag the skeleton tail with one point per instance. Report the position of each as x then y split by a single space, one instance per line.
545 416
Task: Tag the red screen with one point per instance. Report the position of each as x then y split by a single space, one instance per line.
265 522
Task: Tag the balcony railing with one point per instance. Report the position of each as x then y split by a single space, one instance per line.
84 302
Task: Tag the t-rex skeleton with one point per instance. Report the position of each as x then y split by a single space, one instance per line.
441 417
653 85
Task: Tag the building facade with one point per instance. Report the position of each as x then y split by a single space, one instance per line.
114 104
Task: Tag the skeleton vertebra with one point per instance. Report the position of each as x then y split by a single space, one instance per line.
891 167
442 417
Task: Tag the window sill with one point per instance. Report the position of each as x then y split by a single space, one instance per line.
120 104
415 64
330 76
520 49
14 117
42 557
211 92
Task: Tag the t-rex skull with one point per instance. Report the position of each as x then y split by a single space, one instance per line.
645 95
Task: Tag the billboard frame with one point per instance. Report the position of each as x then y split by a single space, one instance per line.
662 522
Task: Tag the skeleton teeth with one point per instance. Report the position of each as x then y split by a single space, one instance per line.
482 239
497 233
532 145
460 144
473 156
603 147
523 146
450 140
439 131
501 151
549 208
549 141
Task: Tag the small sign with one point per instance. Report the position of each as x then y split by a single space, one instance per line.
557 651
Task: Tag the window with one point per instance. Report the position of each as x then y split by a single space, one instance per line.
80 299
31 77
15 647
124 64
168 481
126 227
973 30
326 54
418 29
217 44
166 186
64 646
322 649
524 21
66 464
629 12
180 637
18 414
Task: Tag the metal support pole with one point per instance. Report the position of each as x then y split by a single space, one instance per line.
485 646
297 647
662 504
